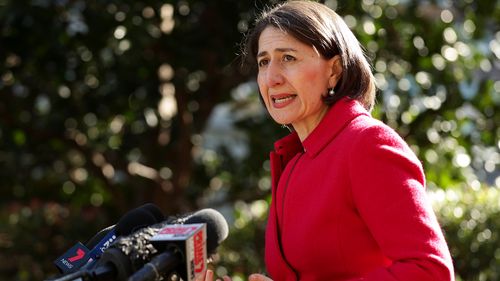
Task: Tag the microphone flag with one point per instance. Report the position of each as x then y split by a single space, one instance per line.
191 240
73 258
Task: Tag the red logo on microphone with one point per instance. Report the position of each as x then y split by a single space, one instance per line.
79 254
199 261
72 259
178 230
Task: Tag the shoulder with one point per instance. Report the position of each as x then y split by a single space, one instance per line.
374 139
368 130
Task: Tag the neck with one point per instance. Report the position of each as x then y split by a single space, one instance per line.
305 127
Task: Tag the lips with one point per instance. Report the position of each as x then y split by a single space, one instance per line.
282 100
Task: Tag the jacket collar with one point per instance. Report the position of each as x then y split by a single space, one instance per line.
289 144
337 117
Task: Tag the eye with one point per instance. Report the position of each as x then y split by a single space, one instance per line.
262 62
288 58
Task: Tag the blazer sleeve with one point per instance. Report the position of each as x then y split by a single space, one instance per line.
388 190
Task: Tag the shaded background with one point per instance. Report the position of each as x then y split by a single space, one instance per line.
106 105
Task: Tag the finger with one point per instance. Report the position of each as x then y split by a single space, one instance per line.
258 277
209 276
200 277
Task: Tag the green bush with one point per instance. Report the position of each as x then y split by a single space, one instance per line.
470 219
34 234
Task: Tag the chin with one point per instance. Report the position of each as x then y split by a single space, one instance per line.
280 118
280 121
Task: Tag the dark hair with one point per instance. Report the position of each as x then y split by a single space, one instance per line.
317 25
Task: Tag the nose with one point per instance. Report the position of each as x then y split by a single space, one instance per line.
274 75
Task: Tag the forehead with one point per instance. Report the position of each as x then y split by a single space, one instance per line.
272 38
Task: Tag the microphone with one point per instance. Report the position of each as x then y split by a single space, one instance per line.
124 229
185 245
129 253
133 220
80 255
92 242
154 210
217 228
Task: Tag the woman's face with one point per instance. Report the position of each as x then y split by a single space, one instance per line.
292 78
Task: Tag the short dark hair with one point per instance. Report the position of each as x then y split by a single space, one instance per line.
317 25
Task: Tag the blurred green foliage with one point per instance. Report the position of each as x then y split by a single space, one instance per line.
107 105
472 222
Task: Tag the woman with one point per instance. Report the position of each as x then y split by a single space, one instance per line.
348 194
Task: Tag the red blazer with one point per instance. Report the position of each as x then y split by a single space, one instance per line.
349 203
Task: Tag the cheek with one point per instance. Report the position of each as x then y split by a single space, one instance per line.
313 78
310 77
262 88
260 81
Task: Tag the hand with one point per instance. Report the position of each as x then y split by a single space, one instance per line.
209 276
257 277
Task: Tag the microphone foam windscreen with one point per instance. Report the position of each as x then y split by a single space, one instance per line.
137 246
217 228
154 210
98 237
134 220
130 222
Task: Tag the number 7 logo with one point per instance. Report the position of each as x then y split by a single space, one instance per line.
79 254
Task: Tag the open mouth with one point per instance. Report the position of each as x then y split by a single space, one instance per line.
283 99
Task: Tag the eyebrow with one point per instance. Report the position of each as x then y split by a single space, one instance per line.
281 50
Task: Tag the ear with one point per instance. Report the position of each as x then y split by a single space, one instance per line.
336 73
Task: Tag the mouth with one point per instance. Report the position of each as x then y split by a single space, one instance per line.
280 99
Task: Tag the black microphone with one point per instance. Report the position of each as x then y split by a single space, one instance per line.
217 228
154 210
142 216
92 242
125 228
184 245
129 253
80 255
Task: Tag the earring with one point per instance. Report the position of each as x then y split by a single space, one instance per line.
286 126
331 92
